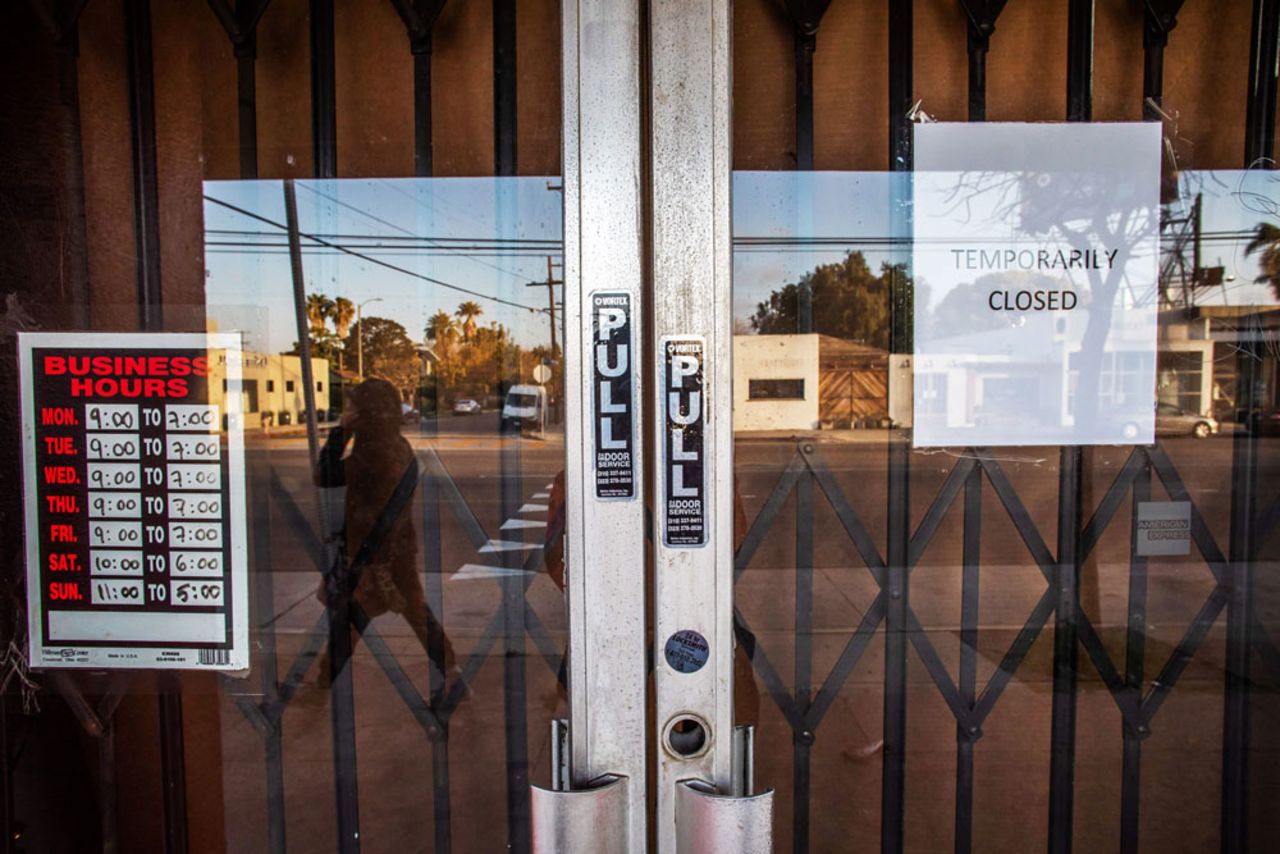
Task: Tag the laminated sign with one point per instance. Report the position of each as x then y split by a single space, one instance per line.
1035 269
614 395
134 496
684 405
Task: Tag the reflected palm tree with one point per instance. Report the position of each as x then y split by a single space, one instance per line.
319 309
1266 239
468 312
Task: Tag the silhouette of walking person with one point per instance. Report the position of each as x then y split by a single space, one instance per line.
377 569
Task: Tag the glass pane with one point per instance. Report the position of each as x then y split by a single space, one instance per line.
434 373
371 424
915 676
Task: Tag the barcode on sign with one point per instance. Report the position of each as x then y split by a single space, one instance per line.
215 656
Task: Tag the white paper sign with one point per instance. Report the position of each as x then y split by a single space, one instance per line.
1036 268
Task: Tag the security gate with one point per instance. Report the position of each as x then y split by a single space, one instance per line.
652 587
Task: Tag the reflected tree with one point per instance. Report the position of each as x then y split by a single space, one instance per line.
1266 241
850 300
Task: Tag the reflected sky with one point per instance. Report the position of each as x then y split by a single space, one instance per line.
787 223
425 245
417 245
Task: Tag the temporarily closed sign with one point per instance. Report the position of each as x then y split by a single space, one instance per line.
134 499
1036 283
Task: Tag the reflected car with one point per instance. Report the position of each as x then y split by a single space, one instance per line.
1175 421
466 406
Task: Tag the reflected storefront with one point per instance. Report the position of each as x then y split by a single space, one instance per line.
677 426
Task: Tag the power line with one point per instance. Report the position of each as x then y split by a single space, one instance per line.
390 224
376 261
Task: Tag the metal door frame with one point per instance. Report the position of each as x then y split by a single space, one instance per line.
599 799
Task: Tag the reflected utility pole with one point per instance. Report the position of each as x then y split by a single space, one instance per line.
550 285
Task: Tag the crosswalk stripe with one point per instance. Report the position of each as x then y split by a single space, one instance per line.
507 546
474 571
518 524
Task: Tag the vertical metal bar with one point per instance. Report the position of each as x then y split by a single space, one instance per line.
142 131
806 41
1260 111
433 560
803 740
1135 657
900 86
341 689
504 86
893 775
603 238
146 210
969 599
324 98
422 165
1155 38
978 47
692 270
173 767
1080 60
247 112
515 706
1235 713
893 780
267 666
1066 583
107 786
76 250
1066 575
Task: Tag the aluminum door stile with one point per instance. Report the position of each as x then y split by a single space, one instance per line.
692 266
605 543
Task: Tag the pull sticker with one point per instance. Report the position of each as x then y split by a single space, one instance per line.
614 395
684 407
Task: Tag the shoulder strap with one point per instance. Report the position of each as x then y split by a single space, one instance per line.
378 533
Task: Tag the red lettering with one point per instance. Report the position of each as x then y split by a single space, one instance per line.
61 446
65 591
200 366
64 562
62 534
61 474
177 388
81 388
54 365
62 504
57 416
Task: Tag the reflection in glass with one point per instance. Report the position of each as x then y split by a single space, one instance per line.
408 640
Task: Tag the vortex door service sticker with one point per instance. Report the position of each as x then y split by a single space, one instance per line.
134 499
1036 278
684 407
613 394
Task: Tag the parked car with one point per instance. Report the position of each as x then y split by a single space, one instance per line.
1174 421
408 414
466 406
